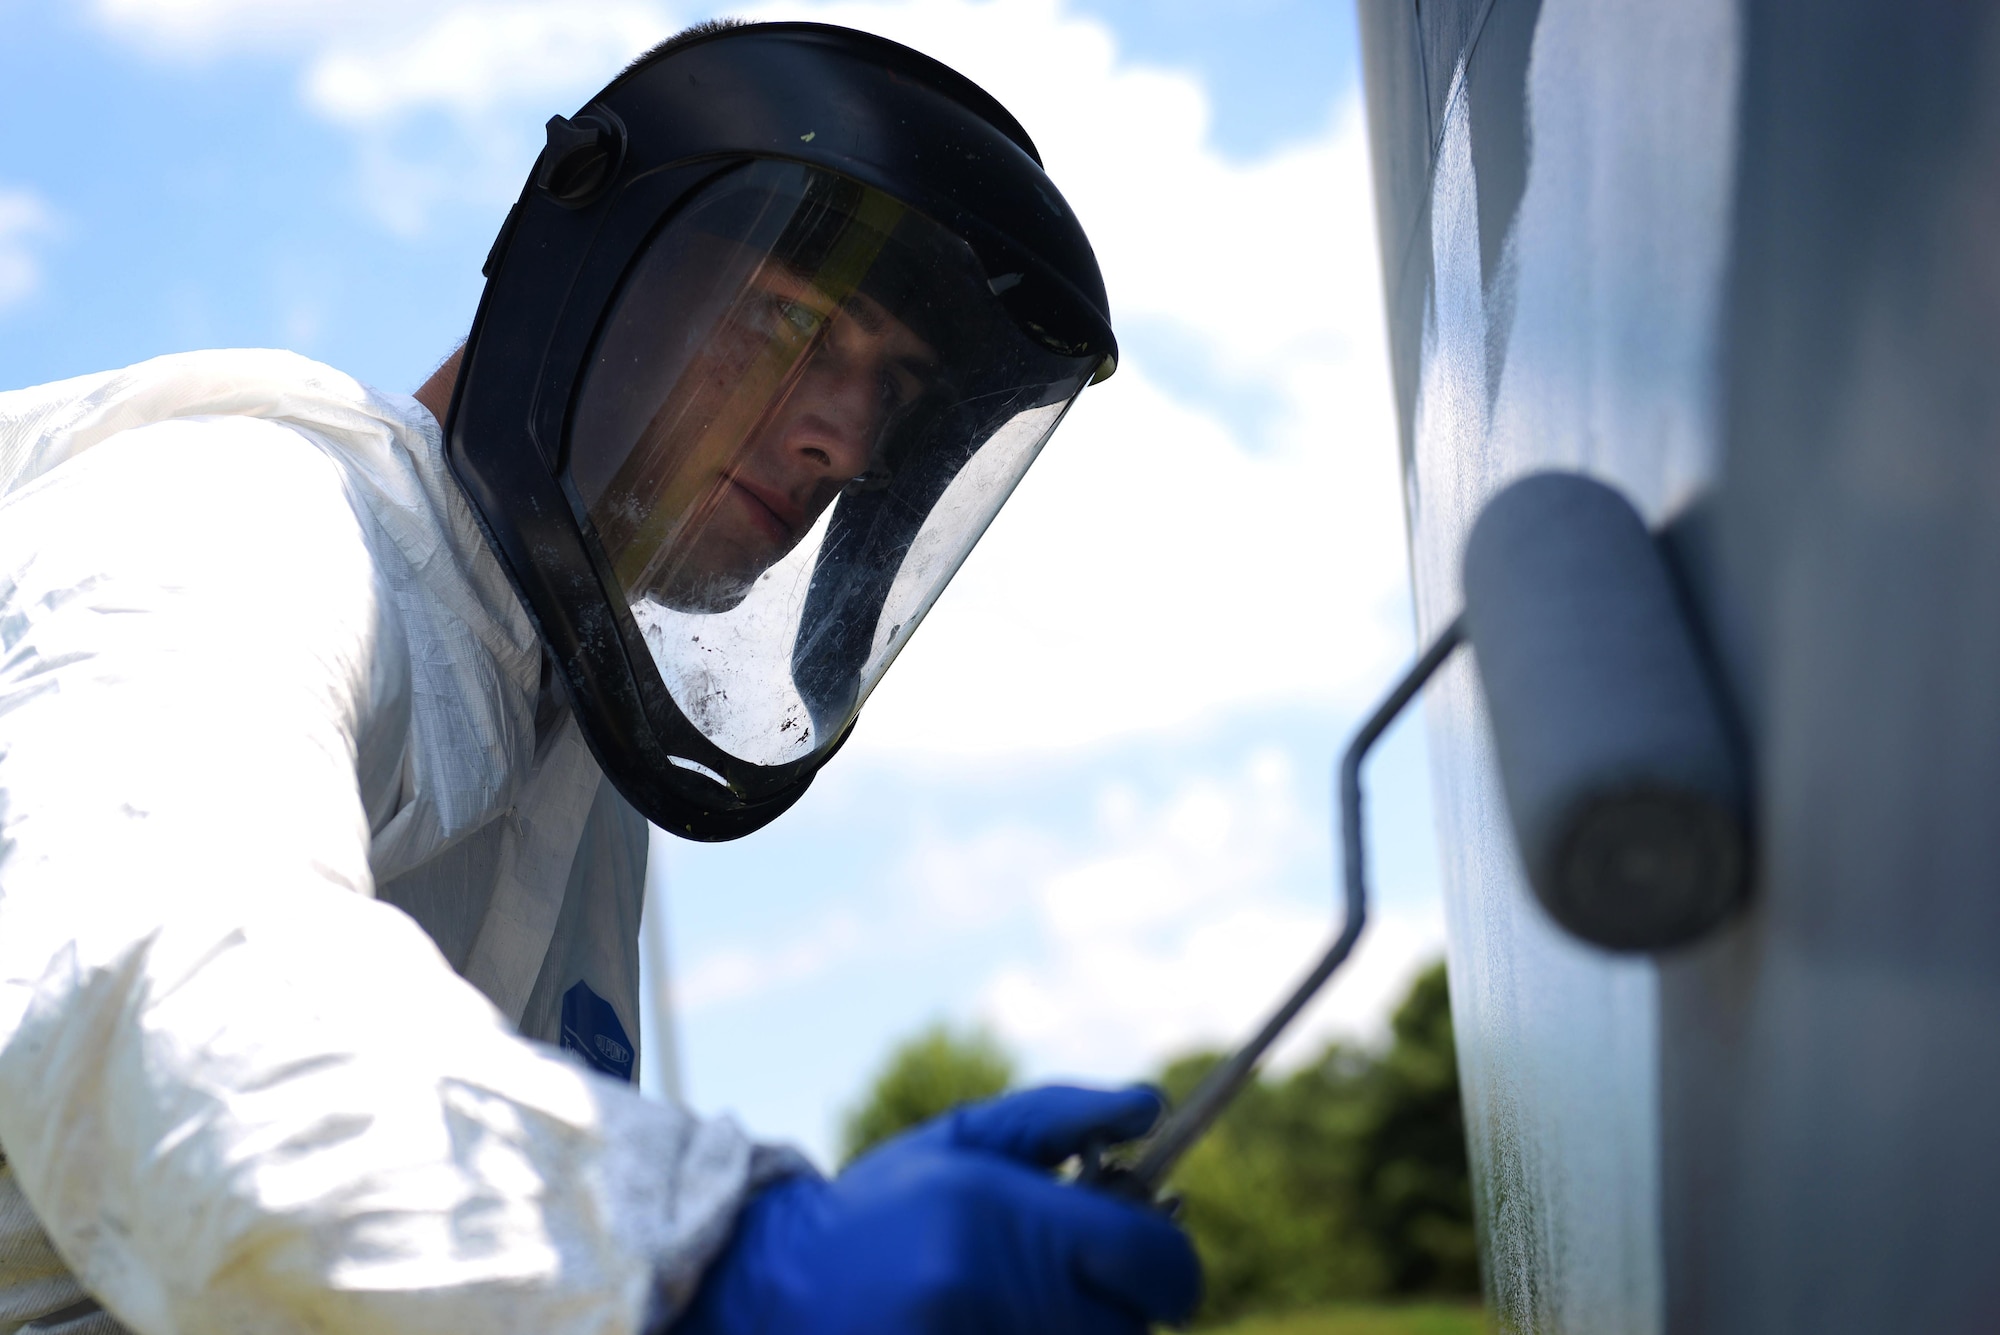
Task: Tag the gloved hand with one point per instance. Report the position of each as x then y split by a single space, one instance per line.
957 1228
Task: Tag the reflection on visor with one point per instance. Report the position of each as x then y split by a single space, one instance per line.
776 439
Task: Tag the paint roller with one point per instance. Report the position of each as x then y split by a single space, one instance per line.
1627 799
1622 779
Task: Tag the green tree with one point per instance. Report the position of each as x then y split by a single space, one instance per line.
925 1075
1270 1196
1416 1188
1343 1180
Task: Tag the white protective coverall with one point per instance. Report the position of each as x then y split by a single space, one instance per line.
279 774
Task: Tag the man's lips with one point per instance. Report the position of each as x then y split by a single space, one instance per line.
769 508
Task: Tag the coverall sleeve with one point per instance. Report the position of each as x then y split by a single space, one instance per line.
241 1094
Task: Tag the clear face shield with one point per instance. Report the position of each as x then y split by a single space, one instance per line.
804 409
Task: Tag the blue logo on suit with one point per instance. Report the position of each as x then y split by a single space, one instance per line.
591 1030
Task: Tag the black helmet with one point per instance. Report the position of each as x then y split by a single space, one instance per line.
778 322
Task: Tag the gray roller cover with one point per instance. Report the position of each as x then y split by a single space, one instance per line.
1627 799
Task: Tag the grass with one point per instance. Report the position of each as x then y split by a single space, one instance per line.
1412 1319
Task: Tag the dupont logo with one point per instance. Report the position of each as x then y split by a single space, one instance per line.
591 1029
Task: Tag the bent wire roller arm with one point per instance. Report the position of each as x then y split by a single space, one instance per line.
1143 1178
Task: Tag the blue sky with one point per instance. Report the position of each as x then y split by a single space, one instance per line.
1118 845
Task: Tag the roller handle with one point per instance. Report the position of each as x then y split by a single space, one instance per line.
1142 1178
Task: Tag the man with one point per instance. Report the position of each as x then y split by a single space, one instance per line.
329 722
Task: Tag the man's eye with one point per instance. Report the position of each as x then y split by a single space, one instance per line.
799 318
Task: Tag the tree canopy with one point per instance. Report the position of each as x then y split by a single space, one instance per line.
1343 1179
927 1074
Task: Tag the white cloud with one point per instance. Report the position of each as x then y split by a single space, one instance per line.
968 884
215 27
373 60
473 60
1163 923
25 221
447 109
1151 572
739 974
1182 928
941 889
445 98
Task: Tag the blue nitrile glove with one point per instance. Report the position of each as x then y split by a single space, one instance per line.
957 1228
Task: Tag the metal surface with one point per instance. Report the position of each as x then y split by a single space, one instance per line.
1749 277
1830 1072
1555 231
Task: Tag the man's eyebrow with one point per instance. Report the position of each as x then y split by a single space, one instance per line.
872 321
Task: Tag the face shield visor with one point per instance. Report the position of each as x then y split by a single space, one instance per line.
804 406
780 318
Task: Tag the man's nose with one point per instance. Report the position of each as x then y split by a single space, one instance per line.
843 408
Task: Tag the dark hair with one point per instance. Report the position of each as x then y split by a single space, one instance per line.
685 37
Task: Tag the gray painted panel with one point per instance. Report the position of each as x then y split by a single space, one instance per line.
1575 330
1831 1069
1400 142
1410 79
1791 1128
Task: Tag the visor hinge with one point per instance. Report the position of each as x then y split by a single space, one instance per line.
581 158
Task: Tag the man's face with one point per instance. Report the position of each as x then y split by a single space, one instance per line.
785 405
